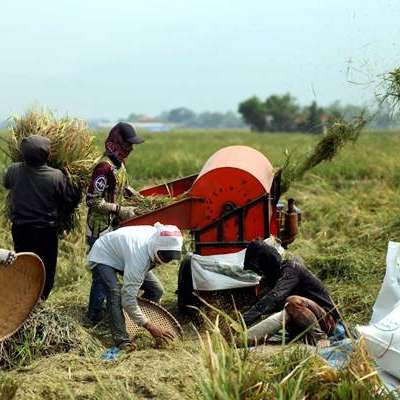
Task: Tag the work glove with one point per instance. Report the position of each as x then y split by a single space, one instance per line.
126 212
7 257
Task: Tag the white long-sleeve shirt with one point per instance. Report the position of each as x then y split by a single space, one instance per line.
128 250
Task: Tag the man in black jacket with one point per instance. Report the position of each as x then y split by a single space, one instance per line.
307 303
38 193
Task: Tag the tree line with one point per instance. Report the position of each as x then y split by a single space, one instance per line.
282 113
277 113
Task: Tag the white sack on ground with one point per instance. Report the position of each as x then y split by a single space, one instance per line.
383 342
383 334
389 295
223 271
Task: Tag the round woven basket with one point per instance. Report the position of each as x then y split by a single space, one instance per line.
21 285
157 315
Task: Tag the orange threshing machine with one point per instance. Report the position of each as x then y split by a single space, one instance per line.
233 200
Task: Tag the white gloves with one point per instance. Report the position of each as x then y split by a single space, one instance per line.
7 257
126 212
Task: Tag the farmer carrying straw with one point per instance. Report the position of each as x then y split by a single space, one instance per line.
133 252
107 189
39 195
297 299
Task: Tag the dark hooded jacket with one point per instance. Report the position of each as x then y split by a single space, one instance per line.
38 192
286 278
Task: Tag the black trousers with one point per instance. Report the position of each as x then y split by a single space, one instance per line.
44 243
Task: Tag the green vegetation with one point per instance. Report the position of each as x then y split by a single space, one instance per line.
351 208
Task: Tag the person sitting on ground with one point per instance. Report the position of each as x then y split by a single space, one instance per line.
133 251
39 195
308 308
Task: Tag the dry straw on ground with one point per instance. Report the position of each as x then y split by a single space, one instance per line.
48 330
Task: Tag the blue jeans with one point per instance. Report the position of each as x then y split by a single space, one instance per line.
152 288
109 279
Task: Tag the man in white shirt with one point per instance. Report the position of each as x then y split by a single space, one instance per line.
132 252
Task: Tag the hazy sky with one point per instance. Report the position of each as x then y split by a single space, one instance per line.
94 58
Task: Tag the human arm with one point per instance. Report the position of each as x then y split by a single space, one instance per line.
133 280
8 177
102 178
274 298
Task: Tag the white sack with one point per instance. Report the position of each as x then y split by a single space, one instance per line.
207 272
383 342
225 271
389 295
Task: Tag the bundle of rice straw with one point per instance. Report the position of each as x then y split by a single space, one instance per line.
72 147
339 133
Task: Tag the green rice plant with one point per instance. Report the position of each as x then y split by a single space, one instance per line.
232 370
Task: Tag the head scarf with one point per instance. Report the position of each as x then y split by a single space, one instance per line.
116 147
166 237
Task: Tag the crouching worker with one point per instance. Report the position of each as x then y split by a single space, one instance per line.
297 300
132 252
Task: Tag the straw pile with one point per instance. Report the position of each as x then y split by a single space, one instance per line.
49 330
72 147
339 133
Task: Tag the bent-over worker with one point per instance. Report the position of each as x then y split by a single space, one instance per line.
297 299
133 251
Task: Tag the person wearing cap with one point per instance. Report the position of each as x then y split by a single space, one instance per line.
39 195
133 251
107 189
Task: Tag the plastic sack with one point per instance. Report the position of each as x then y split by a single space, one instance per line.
389 295
225 271
383 342
220 272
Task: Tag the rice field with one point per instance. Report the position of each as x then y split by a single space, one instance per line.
350 206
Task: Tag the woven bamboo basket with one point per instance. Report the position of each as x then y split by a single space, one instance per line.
21 286
158 316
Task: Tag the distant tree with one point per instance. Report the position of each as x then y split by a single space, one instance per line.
181 115
281 113
313 118
253 113
232 120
